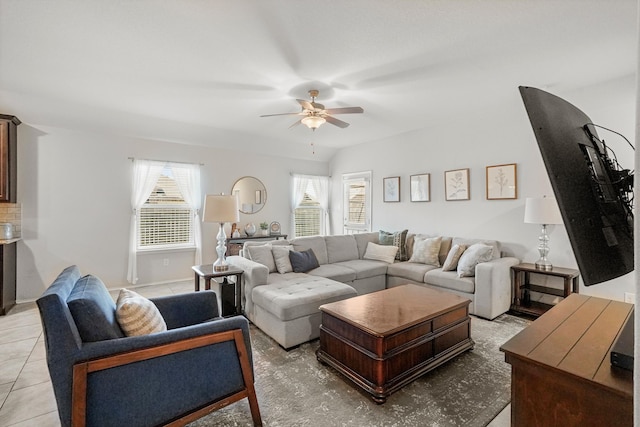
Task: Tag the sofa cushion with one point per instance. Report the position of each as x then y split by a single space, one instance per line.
336 272
363 239
317 243
93 310
451 263
450 280
382 253
341 248
138 315
409 270
303 261
281 258
262 254
289 300
366 268
426 250
474 255
493 243
397 238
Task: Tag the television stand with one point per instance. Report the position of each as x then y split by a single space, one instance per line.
560 366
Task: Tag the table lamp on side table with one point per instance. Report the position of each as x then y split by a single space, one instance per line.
220 208
543 211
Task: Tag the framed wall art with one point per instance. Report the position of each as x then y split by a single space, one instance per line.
420 186
501 182
391 189
456 184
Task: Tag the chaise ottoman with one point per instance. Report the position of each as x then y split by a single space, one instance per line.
288 311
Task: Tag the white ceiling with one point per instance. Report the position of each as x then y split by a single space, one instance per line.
202 72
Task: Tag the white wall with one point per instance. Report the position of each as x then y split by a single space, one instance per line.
499 134
75 193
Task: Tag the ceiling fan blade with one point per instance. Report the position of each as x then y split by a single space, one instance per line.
281 114
305 104
336 122
295 124
344 110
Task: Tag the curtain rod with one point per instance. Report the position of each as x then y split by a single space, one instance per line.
168 161
306 174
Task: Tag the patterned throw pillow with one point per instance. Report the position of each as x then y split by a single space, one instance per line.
473 256
426 250
399 239
451 263
138 315
380 252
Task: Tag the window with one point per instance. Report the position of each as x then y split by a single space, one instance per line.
308 217
310 202
357 202
166 219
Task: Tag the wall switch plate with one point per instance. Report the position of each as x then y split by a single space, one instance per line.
165 262
629 297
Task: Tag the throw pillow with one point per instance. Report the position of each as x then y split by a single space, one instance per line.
473 256
281 257
303 261
426 250
399 239
261 254
380 252
138 315
451 263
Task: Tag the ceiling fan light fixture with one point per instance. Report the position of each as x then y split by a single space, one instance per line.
313 122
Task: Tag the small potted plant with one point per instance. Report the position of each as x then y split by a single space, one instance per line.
264 226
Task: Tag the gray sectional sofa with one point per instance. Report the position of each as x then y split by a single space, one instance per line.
285 306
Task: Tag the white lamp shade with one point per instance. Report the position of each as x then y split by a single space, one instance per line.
542 210
220 208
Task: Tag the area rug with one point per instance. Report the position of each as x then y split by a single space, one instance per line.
294 389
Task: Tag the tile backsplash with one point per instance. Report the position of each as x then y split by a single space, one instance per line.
12 212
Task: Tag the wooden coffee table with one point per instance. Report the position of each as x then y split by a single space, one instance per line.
384 340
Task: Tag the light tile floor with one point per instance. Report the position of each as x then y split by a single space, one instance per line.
26 396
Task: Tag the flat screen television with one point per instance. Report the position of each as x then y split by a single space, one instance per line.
594 193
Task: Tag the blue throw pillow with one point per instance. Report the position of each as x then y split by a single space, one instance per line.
93 310
303 261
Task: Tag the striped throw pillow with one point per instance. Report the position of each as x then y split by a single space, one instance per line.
138 315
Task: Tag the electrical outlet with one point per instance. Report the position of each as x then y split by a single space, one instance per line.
629 297
165 262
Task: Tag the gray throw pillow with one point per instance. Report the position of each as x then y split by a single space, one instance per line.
303 261
473 256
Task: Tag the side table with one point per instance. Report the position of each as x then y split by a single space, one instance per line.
230 292
522 287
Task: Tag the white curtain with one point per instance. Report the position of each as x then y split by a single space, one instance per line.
300 184
187 178
145 176
320 185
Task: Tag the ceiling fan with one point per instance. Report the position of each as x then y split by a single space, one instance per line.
315 114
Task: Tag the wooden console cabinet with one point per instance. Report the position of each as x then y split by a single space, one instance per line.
561 373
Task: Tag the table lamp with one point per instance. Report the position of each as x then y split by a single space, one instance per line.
544 211
220 209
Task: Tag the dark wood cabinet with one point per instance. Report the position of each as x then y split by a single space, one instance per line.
8 277
8 157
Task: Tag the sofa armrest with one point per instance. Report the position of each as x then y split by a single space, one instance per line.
255 274
493 287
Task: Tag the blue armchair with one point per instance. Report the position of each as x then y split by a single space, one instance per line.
102 378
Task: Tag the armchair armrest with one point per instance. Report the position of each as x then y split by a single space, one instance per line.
493 287
184 380
188 308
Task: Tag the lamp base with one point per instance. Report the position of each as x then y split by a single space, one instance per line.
543 265
223 267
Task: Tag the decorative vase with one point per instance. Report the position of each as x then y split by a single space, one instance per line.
250 229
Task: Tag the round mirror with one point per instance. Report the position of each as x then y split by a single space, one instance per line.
252 195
